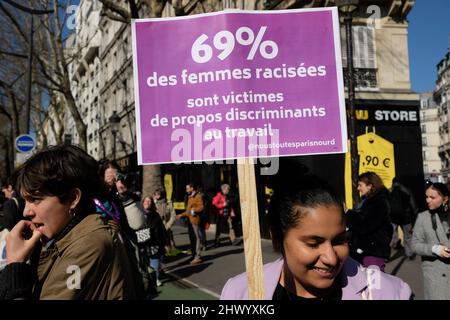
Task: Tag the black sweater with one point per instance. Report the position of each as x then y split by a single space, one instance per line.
371 227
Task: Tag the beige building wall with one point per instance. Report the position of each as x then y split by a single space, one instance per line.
85 75
117 90
441 96
429 120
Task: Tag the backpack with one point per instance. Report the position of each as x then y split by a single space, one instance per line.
399 206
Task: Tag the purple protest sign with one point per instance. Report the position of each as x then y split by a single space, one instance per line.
238 84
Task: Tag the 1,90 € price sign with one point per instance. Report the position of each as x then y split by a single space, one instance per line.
225 41
377 155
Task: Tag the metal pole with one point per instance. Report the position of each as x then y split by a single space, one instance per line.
351 109
30 65
114 145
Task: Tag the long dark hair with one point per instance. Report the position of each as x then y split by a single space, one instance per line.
371 178
443 191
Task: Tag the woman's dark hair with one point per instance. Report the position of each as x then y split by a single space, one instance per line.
152 207
289 205
105 164
371 178
58 171
162 193
192 185
440 188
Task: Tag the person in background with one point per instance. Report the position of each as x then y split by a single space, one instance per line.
204 219
307 227
194 207
370 222
158 237
166 211
63 234
224 214
12 207
403 214
430 240
123 211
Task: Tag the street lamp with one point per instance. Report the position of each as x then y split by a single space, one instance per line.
348 7
32 12
114 122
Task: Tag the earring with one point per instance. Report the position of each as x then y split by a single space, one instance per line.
446 206
72 212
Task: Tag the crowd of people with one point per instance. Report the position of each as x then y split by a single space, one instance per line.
63 209
66 214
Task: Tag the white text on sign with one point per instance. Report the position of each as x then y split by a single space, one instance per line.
225 41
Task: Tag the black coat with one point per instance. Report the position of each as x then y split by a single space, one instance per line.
371 227
403 208
13 212
158 234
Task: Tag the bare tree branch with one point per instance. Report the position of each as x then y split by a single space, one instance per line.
110 5
14 22
114 17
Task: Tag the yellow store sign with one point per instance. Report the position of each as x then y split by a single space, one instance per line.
168 185
376 154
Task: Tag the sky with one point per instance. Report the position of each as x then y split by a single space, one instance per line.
429 40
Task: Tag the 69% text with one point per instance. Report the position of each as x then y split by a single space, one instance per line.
225 41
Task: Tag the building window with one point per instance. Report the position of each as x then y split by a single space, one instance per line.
424 128
424 141
425 168
424 103
364 56
424 155
363 47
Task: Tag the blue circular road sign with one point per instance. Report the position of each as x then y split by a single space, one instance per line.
25 143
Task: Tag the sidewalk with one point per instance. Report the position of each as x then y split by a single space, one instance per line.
219 264
179 289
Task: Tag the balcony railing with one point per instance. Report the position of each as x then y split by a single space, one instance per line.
364 78
429 118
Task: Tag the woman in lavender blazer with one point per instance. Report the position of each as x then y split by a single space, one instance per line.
308 228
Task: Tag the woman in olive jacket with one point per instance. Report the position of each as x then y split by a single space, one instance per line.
73 252
370 223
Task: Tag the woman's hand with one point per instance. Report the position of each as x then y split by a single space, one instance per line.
445 253
121 187
21 241
441 251
114 225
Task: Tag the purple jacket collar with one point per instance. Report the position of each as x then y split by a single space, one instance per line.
357 283
354 280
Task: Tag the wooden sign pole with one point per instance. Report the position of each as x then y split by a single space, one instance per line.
250 229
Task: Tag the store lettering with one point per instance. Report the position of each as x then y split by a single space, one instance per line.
394 115
362 114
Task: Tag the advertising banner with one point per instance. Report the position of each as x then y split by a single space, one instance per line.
238 84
